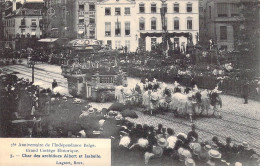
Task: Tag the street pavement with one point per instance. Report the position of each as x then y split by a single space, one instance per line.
239 121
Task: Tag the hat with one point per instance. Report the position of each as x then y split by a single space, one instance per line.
119 117
195 147
182 134
162 142
214 154
245 145
142 142
207 147
238 164
157 151
125 141
101 122
189 162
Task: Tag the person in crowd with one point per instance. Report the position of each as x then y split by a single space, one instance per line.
54 84
215 159
245 90
192 135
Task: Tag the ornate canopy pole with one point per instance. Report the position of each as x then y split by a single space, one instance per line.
164 28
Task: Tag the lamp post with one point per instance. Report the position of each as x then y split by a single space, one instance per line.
33 71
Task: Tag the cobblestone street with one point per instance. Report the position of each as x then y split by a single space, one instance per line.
239 121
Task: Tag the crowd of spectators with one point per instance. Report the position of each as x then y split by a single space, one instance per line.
132 144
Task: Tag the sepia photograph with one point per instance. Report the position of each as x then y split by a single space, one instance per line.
130 82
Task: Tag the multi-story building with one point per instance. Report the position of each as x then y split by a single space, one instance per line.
70 18
116 26
220 18
23 23
181 21
86 18
59 19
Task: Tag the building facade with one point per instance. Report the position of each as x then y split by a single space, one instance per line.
117 24
86 18
59 19
181 22
23 23
220 18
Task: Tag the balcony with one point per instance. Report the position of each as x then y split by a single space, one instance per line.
81 13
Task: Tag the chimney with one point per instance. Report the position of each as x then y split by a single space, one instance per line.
14 5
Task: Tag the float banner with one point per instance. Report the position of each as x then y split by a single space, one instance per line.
55 152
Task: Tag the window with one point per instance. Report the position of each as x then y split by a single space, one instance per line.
92 34
23 22
176 8
234 10
108 29
189 7
117 28
223 33
127 45
127 11
23 12
81 21
92 20
34 22
141 24
176 42
91 7
189 24
107 11
222 9
118 44
141 8
23 31
153 24
109 42
81 7
117 11
127 28
153 43
176 24
164 8
153 8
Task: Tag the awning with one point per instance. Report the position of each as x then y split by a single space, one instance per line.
80 32
174 34
48 40
33 33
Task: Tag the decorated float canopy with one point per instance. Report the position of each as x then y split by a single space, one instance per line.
85 44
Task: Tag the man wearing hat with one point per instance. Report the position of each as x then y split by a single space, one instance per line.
189 162
215 159
245 153
192 135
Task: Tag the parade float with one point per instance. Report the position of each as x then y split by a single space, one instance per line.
88 77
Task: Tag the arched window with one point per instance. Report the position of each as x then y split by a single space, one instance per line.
189 23
176 23
141 23
153 23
